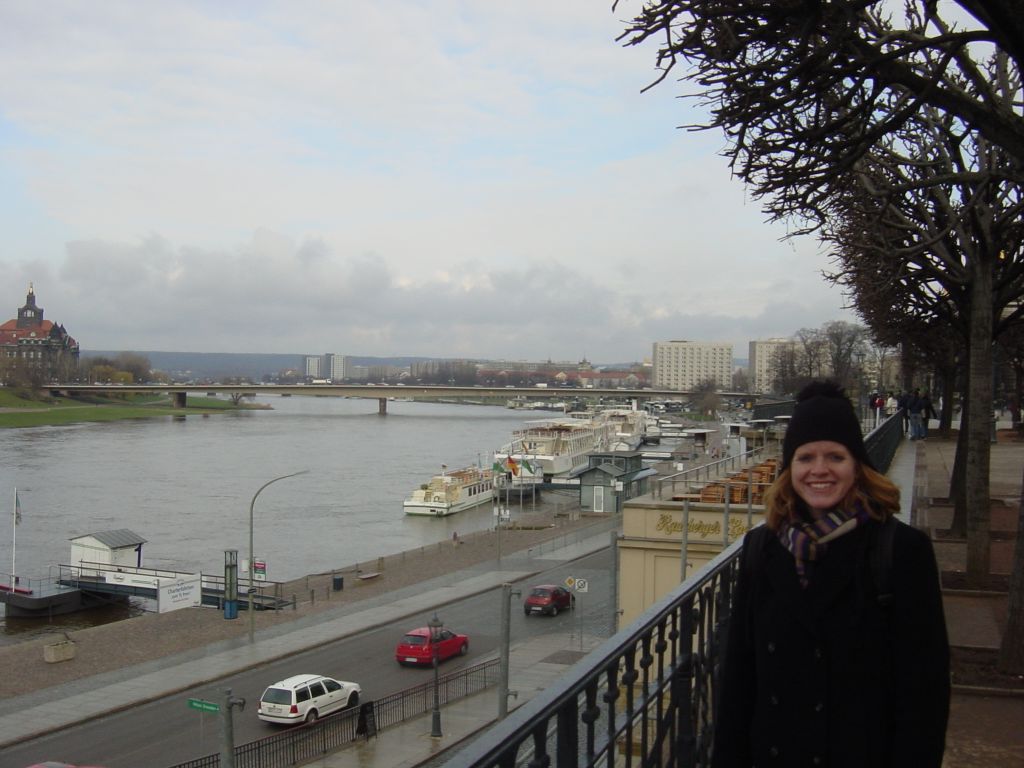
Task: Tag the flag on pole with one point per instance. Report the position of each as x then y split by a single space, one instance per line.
17 508
513 467
496 467
526 465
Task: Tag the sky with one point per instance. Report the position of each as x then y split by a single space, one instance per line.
435 178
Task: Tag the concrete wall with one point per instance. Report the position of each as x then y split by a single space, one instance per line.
649 550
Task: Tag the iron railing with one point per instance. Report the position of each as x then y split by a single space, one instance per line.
881 443
296 746
712 469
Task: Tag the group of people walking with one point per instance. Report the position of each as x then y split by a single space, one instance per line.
916 406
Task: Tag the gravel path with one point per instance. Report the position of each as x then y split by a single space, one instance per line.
152 636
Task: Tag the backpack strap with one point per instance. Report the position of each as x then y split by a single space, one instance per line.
880 561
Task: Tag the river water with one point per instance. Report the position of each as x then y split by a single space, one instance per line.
185 483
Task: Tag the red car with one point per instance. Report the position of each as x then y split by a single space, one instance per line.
415 646
549 599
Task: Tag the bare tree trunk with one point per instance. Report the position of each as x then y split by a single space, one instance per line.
979 409
957 482
948 397
1011 653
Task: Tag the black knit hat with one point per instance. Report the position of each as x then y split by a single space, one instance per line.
824 412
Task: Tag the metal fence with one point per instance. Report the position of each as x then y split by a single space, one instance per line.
296 746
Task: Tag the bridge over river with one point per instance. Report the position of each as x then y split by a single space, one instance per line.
381 392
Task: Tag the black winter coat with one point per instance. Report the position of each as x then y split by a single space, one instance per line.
827 676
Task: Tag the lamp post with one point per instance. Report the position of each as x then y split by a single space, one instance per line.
435 625
252 581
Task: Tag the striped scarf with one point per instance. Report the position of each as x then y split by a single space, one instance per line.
806 539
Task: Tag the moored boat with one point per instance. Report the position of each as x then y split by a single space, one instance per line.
552 448
451 492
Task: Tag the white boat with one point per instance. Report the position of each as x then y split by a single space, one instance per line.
628 428
451 492
652 430
552 448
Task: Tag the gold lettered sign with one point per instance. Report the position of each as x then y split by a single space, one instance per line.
699 528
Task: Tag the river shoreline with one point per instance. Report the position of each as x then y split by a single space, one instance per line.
153 636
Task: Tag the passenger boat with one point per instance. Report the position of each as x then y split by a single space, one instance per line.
451 492
628 428
551 448
652 430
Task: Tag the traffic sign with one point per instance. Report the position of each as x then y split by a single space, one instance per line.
580 585
203 705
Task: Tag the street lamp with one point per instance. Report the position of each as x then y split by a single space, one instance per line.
435 625
252 581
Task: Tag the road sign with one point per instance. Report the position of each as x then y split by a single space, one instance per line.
203 705
259 569
580 585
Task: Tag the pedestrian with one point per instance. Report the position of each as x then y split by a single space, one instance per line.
914 407
836 651
902 401
891 404
927 412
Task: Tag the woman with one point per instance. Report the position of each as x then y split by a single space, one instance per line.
831 658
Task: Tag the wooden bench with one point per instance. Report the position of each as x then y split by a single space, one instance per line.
368 576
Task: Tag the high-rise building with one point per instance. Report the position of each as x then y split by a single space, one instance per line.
336 367
313 366
764 363
684 365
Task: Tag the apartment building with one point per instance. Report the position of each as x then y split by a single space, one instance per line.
763 361
684 365
312 366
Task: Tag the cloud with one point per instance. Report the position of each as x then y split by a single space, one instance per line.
443 178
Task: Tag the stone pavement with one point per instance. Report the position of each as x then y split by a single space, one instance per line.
986 727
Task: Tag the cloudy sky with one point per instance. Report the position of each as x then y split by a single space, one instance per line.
443 178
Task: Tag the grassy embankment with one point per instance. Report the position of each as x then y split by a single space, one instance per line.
20 409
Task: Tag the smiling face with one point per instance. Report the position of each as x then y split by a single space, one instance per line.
823 473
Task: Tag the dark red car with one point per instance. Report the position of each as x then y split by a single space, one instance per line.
415 646
549 599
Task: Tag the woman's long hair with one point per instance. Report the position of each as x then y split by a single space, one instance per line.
876 492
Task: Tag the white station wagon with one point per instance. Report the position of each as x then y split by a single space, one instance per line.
304 698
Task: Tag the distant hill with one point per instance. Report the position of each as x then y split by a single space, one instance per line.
217 365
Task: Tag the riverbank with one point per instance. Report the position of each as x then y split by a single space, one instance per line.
22 412
153 636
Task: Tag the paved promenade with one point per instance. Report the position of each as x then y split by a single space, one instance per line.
985 730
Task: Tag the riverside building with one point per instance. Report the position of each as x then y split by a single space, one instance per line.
36 346
684 365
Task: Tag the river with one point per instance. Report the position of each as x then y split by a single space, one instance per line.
185 483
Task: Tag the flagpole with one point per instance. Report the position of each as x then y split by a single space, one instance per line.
14 539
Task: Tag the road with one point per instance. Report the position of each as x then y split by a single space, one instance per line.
166 731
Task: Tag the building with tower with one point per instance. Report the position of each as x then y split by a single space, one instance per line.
34 349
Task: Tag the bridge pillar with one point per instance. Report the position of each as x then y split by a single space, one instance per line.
382 406
178 399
